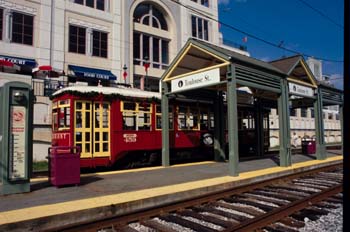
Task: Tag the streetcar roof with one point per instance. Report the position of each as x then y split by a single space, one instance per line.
129 92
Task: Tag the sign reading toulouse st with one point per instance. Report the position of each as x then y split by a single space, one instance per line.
300 90
196 80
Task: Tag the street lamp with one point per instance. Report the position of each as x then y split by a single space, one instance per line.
146 65
125 74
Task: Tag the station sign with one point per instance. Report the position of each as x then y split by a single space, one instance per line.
17 157
300 90
197 80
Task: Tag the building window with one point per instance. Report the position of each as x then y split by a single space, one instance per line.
98 4
22 28
303 112
79 2
77 39
1 22
202 2
292 112
149 15
99 47
151 49
199 28
337 117
312 113
330 116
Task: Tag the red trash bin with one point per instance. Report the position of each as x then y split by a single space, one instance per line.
308 146
64 165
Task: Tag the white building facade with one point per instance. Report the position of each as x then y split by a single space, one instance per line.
98 42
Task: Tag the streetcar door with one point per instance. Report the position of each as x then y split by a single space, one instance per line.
101 138
83 127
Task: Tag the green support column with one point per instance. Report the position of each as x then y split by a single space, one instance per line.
320 146
284 125
218 128
165 125
259 128
341 128
232 121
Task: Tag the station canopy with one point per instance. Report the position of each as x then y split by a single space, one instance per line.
197 57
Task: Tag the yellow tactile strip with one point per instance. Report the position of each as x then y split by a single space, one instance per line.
129 170
65 207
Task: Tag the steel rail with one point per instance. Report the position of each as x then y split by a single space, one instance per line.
144 214
284 211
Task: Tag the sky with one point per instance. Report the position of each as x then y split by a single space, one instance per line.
317 32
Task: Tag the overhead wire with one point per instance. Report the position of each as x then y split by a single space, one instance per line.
279 45
321 13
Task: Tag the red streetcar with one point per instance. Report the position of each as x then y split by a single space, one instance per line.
108 123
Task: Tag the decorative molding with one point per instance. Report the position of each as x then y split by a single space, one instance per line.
16 7
87 24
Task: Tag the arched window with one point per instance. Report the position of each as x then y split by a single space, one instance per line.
150 37
148 15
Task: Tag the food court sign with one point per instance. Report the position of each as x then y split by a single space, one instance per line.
197 80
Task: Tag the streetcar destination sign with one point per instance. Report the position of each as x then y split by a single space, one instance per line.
300 90
196 80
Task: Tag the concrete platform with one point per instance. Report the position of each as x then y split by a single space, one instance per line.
118 192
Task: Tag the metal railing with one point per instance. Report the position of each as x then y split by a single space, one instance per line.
47 87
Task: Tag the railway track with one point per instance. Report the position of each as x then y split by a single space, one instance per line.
273 205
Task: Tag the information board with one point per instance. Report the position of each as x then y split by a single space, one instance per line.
17 162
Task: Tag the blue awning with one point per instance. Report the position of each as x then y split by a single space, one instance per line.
85 72
19 61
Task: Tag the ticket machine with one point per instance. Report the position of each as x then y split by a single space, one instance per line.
16 133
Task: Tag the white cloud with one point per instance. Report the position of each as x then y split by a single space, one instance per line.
266 59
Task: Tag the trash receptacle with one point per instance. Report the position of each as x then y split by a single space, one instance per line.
64 165
308 146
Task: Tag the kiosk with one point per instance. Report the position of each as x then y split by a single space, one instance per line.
16 132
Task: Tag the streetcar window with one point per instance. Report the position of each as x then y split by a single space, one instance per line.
188 118
204 120
78 106
136 115
87 119
212 125
61 115
105 116
78 120
181 116
144 116
54 116
78 137
159 117
193 117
